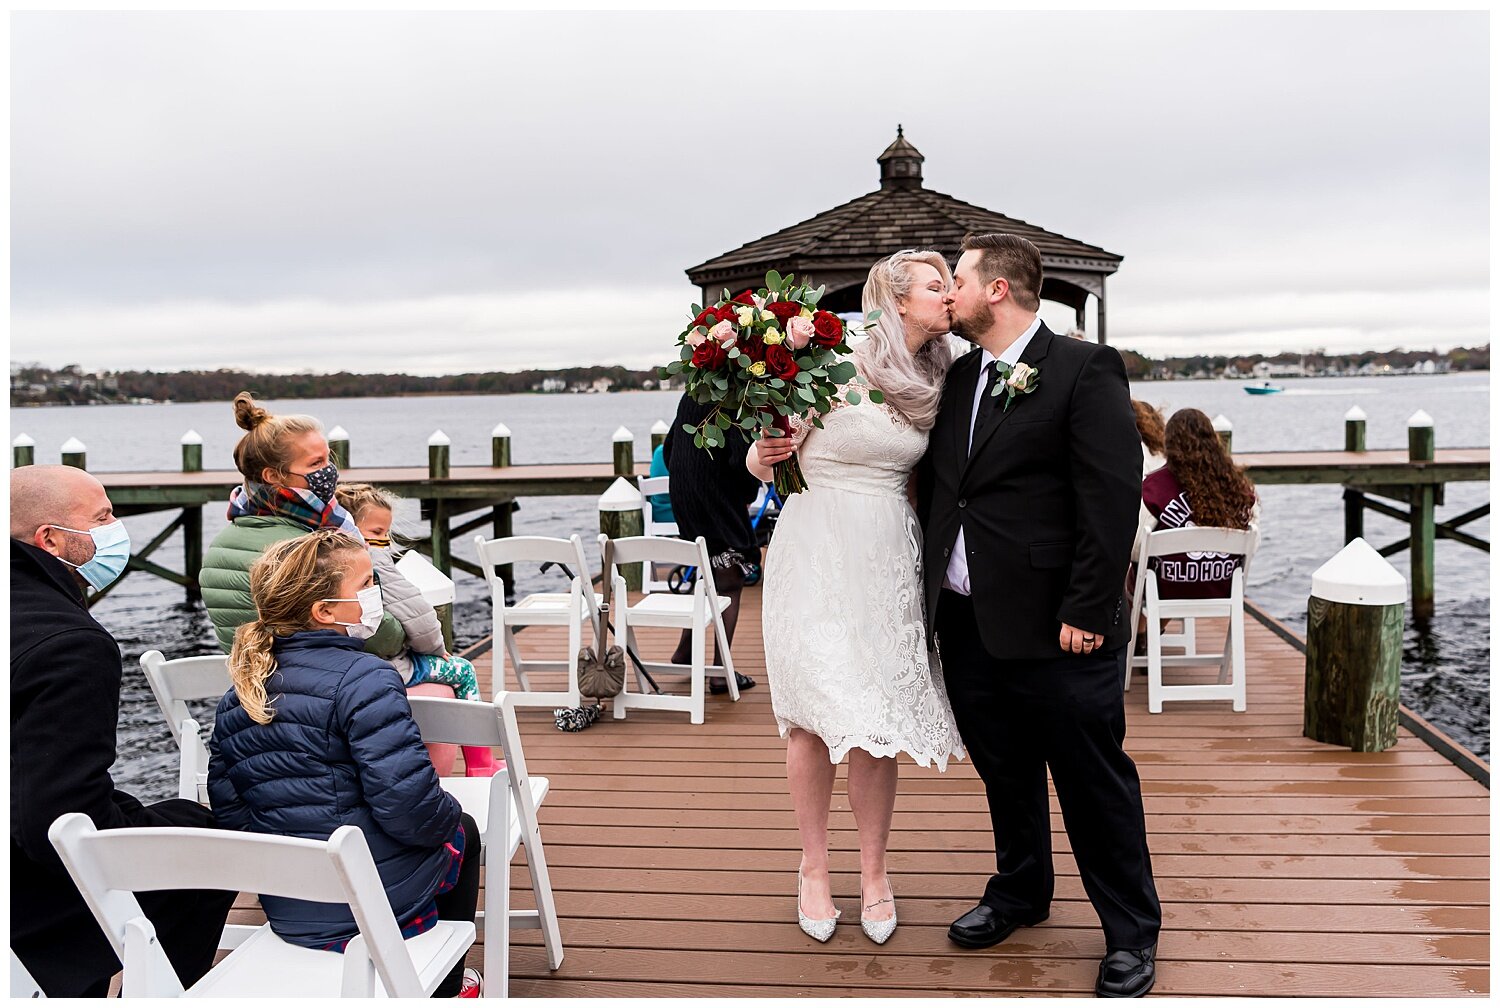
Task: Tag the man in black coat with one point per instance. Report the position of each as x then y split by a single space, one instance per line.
64 702
1028 494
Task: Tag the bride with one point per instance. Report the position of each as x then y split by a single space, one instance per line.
845 642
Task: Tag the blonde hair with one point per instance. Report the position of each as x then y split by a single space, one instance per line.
357 498
264 445
912 382
285 583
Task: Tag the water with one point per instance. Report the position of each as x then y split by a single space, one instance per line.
1445 674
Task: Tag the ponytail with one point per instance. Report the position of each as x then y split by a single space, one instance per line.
251 663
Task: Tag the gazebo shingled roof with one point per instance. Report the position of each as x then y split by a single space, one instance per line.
838 246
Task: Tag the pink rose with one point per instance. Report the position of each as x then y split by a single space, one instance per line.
724 333
695 338
799 332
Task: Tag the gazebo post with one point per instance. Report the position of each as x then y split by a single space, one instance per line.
1102 331
1078 316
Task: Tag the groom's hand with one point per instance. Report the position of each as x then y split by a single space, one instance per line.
1078 641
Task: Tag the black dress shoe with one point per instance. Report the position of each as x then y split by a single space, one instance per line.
985 926
744 682
1127 973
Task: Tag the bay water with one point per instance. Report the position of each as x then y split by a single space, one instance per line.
1445 675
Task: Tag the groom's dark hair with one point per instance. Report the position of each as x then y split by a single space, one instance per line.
1012 257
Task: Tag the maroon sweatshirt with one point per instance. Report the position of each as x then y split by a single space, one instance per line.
1183 575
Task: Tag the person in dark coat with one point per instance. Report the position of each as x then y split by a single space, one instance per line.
316 733
711 496
64 703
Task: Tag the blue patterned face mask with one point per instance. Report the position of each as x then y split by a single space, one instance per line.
111 553
322 481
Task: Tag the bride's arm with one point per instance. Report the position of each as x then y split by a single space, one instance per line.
766 453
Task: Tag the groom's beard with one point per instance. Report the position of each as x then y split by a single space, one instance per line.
971 329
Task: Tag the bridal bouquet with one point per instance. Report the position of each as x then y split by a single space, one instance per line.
763 357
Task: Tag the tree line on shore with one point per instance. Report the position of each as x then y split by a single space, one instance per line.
34 384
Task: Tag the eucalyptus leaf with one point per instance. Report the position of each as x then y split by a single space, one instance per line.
852 398
877 396
773 281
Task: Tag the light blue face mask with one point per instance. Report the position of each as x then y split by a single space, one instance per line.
111 553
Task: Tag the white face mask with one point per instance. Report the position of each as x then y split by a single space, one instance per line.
370 612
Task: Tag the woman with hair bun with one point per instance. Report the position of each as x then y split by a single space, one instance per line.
288 492
845 638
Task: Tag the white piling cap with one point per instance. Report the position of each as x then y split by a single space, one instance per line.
23 441
660 427
622 495
73 446
192 437
1360 576
1355 413
622 435
1419 419
438 438
338 434
1223 423
500 431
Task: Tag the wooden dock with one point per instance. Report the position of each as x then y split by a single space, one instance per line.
1285 867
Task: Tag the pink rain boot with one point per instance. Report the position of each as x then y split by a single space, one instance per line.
480 762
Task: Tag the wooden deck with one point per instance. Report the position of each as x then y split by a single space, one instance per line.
1285 867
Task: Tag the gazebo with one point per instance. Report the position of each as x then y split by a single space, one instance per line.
838 246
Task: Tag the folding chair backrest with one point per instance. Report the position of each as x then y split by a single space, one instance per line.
110 866
645 549
530 549
182 679
652 485
1201 539
464 722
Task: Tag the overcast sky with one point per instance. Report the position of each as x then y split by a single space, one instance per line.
453 192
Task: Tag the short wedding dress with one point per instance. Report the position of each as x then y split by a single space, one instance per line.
846 647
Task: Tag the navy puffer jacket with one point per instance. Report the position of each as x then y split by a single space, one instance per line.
341 749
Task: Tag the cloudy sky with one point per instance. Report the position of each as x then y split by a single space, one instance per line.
451 192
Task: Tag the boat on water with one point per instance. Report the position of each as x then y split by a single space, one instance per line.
1264 388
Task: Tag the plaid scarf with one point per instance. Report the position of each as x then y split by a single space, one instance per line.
294 503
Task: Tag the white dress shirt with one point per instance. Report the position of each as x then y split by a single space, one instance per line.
957 578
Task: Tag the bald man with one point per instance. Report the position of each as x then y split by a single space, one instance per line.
64 702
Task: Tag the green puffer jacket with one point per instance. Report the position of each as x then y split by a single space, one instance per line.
225 580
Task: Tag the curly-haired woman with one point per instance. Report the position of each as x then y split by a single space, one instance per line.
1200 485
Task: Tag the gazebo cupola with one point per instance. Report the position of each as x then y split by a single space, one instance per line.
900 164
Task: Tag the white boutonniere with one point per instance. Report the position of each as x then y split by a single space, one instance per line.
1020 379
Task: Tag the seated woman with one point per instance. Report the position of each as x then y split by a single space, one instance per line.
316 734
1200 485
1149 425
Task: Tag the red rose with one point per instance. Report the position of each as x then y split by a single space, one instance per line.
828 329
710 356
747 298
727 313
755 349
779 362
707 317
784 310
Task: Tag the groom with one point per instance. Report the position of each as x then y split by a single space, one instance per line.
1028 494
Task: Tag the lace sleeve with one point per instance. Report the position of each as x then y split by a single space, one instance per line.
802 425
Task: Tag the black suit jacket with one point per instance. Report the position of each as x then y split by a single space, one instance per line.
64 702
1048 498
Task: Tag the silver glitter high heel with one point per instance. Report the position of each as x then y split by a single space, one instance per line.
820 930
879 931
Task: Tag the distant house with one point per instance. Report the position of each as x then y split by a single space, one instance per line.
601 385
550 385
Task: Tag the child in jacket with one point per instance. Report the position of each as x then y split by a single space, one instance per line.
315 734
425 659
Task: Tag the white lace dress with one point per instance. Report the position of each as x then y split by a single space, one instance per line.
846 648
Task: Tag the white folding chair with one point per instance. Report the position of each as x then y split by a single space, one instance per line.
111 866
173 683
22 984
1226 544
651 527
696 612
575 609
504 809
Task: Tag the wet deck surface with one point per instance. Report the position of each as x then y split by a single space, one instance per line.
1285 867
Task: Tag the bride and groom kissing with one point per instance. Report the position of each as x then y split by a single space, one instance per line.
987 618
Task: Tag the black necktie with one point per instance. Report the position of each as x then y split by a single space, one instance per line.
986 401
